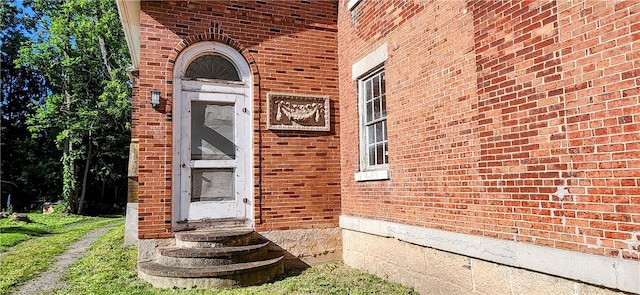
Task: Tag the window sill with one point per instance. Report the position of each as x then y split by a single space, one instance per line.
372 175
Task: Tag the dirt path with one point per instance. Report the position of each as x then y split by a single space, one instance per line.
51 279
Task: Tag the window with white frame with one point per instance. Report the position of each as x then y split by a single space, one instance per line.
372 102
373 117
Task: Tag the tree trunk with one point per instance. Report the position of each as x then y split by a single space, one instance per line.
66 192
84 177
105 60
69 188
104 184
70 191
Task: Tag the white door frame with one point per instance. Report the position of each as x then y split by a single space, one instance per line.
179 207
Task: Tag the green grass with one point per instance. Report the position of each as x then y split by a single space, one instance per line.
12 232
28 258
110 268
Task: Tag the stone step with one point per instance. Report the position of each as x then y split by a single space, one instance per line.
202 257
211 238
210 252
211 223
237 274
213 257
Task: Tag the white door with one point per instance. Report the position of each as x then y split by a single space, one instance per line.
215 150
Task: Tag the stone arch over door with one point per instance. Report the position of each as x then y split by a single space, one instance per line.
215 98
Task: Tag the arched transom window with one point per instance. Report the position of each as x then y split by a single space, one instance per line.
212 66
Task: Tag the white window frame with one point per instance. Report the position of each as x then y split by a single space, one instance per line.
351 4
367 67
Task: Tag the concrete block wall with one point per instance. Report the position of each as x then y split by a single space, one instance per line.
514 120
431 271
291 47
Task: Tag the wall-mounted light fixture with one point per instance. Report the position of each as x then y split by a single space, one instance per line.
155 98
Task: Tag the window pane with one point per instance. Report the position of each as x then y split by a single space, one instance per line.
369 111
383 107
384 130
371 133
372 154
382 84
367 94
212 185
376 86
386 153
380 154
212 66
212 131
376 109
379 132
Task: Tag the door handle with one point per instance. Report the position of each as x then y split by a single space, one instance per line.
184 165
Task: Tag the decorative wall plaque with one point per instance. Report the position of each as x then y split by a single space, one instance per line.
297 112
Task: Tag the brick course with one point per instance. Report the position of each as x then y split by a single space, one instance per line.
291 47
517 120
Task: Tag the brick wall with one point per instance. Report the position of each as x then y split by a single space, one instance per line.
515 120
292 48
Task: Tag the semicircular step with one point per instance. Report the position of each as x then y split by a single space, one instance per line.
214 238
202 257
242 274
209 252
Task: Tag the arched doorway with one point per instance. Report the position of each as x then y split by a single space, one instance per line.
212 134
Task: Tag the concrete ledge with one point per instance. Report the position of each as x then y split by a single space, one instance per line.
599 270
372 175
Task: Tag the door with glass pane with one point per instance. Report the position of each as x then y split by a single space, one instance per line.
215 150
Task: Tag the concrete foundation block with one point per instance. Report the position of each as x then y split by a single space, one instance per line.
584 289
452 268
131 225
306 247
490 278
426 270
528 282
147 248
441 287
432 271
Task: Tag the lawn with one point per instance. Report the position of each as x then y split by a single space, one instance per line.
12 232
110 268
30 248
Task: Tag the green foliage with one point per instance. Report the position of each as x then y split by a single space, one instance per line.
81 53
110 268
30 162
60 210
33 256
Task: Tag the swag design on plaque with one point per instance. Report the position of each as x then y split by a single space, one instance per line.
297 112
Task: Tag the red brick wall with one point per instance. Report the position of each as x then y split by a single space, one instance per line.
292 48
493 108
600 53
